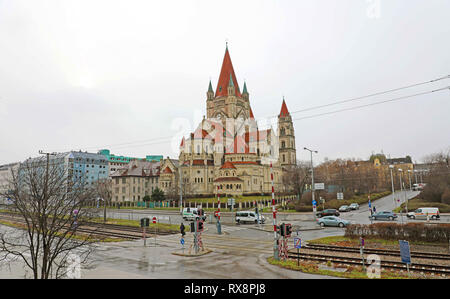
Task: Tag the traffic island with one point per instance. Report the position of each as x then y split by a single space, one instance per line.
188 254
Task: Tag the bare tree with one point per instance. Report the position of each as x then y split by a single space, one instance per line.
52 204
296 177
104 192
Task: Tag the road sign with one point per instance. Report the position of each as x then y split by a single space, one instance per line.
319 186
340 195
182 241
297 243
314 203
231 201
405 253
154 220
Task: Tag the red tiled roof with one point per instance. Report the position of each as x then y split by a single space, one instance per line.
284 110
167 170
224 78
227 165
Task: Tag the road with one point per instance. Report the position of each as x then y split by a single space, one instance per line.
239 252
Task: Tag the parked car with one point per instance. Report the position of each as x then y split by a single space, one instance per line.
344 208
383 215
421 213
192 214
249 216
332 221
328 212
354 206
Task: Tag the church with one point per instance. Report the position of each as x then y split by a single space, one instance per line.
227 153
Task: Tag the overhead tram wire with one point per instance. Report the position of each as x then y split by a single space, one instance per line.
370 95
373 104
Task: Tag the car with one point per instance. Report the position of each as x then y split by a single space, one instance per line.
192 214
328 212
332 221
249 216
344 208
354 206
422 213
383 215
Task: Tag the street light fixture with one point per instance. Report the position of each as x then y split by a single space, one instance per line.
312 180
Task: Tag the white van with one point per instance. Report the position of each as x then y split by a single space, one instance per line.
192 214
249 216
421 213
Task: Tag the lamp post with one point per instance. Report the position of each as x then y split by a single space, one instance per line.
401 188
312 180
392 182
409 176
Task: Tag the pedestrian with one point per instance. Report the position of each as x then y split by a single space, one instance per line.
182 229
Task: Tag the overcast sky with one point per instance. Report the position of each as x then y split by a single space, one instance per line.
120 74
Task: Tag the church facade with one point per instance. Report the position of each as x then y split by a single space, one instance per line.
228 153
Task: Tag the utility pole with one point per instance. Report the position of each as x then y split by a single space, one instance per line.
312 179
274 215
181 191
401 188
46 171
392 181
409 176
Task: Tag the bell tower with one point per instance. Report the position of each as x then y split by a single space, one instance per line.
286 136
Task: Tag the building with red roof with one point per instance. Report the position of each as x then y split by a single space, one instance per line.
227 151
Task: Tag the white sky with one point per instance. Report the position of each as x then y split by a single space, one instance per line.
90 74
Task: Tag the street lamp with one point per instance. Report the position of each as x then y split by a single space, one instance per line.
409 176
392 182
312 180
401 188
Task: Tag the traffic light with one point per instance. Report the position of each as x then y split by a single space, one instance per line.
192 227
282 229
200 226
288 230
145 222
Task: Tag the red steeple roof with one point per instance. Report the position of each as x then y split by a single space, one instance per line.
182 142
224 78
251 114
284 110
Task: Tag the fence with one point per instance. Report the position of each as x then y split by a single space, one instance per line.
206 205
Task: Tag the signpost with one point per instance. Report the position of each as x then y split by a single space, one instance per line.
298 245
405 253
154 222
145 222
319 186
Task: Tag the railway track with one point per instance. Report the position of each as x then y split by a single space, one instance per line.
417 267
414 254
107 230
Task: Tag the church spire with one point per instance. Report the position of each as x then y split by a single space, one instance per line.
284 110
226 75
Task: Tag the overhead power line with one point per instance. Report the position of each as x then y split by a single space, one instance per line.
373 104
370 95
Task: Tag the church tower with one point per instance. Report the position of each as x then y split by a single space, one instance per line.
287 151
227 101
